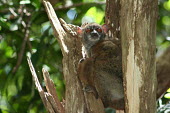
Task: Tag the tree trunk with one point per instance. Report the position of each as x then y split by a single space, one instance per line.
76 100
138 32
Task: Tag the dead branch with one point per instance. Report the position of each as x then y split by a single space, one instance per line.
50 101
52 90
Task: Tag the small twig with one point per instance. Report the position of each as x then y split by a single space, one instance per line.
21 53
80 4
13 12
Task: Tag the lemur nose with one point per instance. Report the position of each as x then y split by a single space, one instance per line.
94 33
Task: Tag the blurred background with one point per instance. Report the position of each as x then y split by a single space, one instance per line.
25 31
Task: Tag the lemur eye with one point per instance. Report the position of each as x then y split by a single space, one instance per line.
88 30
99 30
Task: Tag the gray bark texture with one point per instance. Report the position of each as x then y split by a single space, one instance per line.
138 35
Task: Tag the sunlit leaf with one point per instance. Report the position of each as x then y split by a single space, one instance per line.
45 26
95 14
7 69
166 20
25 2
14 27
168 90
167 5
36 3
9 52
3 45
20 82
4 104
12 89
33 110
167 95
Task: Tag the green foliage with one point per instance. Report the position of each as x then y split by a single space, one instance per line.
163 25
95 15
167 95
28 17
166 5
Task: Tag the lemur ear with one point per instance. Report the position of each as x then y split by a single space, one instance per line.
105 28
79 31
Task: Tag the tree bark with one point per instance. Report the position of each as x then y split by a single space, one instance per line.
138 32
112 19
76 100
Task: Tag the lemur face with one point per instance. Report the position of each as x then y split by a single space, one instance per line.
93 33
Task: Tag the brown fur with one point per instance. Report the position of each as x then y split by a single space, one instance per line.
101 72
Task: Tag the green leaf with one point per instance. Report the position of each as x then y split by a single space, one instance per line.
166 20
167 95
36 3
9 52
95 15
25 2
12 89
167 5
14 27
20 82
88 0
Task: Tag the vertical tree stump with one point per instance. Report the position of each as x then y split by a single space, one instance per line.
138 32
